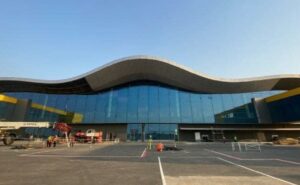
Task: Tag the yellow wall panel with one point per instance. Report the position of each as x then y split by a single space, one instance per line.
48 109
284 95
7 99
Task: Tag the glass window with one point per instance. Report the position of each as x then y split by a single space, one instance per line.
51 100
238 100
101 107
122 101
90 109
227 101
146 102
80 103
164 104
164 131
112 106
153 130
154 111
132 108
197 109
71 103
217 103
174 106
186 112
134 132
143 104
60 102
207 108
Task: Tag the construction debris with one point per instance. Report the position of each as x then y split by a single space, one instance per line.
19 147
286 141
173 148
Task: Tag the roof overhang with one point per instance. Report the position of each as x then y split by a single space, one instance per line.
138 68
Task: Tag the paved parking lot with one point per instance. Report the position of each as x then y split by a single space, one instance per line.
130 163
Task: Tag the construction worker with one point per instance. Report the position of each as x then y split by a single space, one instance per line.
49 141
55 139
149 146
72 141
235 139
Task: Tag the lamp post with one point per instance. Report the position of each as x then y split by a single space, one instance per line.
143 132
175 136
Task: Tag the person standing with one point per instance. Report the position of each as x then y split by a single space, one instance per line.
150 142
72 141
224 139
235 139
55 139
49 141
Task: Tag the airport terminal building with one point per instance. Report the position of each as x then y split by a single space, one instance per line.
138 96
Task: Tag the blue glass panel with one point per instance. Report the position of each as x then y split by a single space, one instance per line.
164 131
80 103
112 106
143 104
247 97
154 111
146 102
60 103
217 103
101 107
174 106
207 108
6 111
132 114
51 102
71 103
164 105
197 109
227 101
122 101
238 100
89 113
134 132
185 108
154 131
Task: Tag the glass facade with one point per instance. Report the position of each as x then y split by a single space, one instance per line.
157 131
6 110
285 110
158 106
140 102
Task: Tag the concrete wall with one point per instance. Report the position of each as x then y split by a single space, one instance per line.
241 135
262 111
261 132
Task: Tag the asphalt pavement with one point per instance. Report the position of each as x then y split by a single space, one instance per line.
133 164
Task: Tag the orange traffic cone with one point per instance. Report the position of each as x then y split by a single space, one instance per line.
159 147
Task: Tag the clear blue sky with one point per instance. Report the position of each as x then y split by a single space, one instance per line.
59 39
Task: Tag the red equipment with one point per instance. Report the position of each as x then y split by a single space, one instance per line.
89 135
62 127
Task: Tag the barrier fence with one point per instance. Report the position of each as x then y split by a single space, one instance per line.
248 146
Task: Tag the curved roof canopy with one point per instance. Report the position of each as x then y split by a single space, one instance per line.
138 68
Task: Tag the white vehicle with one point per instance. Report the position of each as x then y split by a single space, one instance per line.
9 130
89 135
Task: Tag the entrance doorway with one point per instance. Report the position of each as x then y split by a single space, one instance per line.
136 132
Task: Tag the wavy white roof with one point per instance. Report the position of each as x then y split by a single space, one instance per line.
137 68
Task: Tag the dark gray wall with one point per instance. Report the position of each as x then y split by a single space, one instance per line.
20 111
262 111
